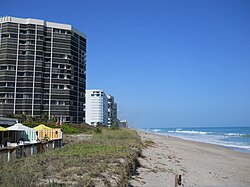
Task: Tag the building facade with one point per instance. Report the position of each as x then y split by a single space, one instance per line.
112 110
42 69
123 124
96 107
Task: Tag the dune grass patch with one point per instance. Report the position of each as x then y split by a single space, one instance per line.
149 143
103 159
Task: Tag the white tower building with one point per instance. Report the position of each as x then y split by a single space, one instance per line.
96 107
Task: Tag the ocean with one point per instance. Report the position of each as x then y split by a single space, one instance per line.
236 138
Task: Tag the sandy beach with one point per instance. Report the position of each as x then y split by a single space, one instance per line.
200 164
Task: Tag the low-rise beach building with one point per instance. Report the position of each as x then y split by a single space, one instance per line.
123 124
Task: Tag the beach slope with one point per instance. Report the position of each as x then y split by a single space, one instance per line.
199 164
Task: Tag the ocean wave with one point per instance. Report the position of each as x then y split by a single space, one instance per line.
234 145
234 134
156 130
245 135
191 132
171 131
217 140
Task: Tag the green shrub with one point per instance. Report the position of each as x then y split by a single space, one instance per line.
69 129
98 130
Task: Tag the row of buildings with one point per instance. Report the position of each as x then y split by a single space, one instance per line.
43 70
100 108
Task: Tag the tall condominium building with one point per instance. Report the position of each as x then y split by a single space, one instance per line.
96 107
42 69
112 110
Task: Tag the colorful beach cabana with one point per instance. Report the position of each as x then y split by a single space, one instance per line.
45 132
23 132
2 130
42 127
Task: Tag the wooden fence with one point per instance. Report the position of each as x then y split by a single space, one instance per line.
20 151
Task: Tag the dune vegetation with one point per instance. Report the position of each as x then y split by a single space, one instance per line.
107 157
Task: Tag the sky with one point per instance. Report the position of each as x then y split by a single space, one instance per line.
168 63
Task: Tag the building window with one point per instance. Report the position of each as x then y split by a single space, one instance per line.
55 86
46 75
55 65
38 96
56 30
53 102
23 32
11 68
61 66
27 96
23 52
20 74
5 35
29 74
30 42
22 42
39 37
38 74
46 59
3 67
31 32
10 84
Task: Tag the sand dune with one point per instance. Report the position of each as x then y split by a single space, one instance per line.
199 164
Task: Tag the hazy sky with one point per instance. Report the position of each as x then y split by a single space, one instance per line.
169 63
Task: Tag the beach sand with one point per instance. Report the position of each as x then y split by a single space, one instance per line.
200 164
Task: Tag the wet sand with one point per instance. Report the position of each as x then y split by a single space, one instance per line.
199 164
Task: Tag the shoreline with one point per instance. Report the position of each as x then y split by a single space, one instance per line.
200 164
231 147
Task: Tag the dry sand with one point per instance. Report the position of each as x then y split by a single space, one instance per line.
200 164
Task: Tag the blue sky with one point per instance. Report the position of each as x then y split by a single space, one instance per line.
169 63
